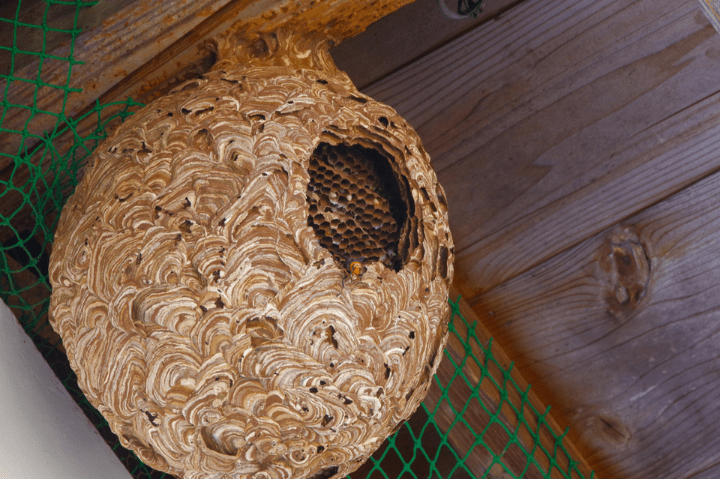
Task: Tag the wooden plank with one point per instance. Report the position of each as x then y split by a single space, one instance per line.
148 47
541 124
462 438
621 335
59 16
154 25
190 56
168 45
404 36
712 10
480 458
32 301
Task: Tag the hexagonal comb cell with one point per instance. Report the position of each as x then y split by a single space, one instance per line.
357 206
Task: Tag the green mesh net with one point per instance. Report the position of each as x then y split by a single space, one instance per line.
477 421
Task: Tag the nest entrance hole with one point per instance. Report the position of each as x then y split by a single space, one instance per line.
357 206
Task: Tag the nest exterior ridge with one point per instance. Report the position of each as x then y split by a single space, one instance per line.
219 325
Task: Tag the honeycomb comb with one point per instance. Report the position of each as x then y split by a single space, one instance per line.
356 206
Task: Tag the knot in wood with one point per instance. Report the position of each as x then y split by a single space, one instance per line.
627 271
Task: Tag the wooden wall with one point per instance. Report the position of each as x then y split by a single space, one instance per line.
578 142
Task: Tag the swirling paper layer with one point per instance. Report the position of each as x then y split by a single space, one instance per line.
202 315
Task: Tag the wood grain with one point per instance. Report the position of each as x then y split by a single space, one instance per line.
541 124
621 335
146 49
59 16
190 56
712 10
478 419
32 302
404 36
108 52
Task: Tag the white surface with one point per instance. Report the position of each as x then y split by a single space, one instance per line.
43 433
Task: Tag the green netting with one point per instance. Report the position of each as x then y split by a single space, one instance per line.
506 441
479 422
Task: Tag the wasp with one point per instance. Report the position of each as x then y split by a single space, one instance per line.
355 269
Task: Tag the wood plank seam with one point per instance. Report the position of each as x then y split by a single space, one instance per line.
540 95
662 351
500 387
635 46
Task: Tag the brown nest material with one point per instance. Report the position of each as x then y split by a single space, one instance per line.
252 277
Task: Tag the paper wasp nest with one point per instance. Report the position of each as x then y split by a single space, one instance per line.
252 277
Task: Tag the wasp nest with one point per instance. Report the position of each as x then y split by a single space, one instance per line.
252 277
